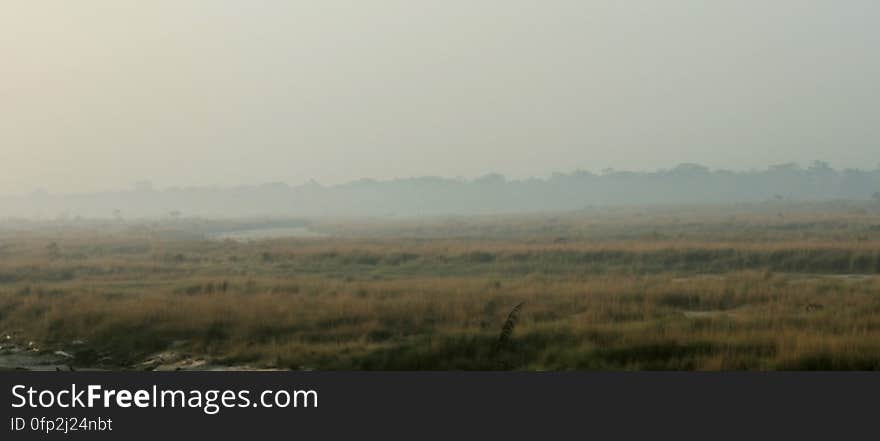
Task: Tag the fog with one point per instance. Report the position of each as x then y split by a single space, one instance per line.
686 184
99 94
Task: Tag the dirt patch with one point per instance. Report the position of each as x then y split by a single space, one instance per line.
17 356
704 314
812 278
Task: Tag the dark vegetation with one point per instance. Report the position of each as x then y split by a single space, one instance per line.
489 194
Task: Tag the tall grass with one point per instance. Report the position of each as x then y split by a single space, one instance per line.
437 303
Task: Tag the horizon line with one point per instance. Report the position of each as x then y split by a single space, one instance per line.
145 185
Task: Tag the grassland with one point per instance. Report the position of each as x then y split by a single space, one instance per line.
749 288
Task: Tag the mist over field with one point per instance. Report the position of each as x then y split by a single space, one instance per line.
439 185
490 194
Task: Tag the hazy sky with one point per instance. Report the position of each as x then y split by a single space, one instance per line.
97 94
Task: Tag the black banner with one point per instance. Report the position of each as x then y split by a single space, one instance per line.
442 405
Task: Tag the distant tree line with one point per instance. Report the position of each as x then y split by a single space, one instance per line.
492 193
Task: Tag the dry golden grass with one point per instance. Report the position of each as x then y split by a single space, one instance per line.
382 302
